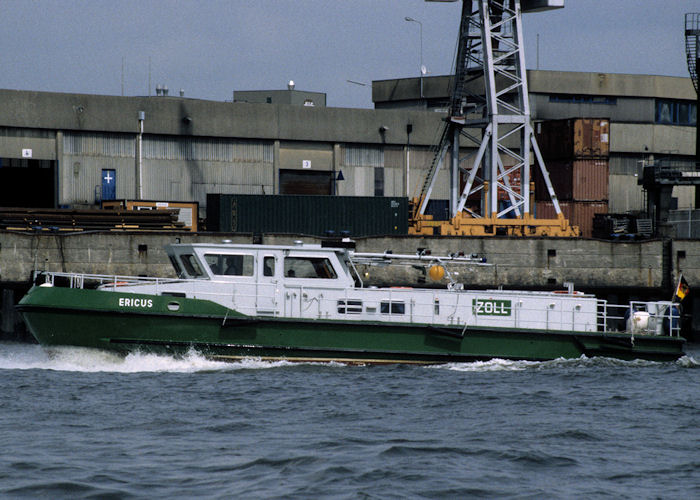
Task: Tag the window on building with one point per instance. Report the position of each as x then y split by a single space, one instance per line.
583 99
24 163
378 181
676 112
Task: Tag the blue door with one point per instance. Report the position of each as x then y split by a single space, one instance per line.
109 184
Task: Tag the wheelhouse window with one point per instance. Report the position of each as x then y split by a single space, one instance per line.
230 265
177 267
191 265
269 266
393 307
309 267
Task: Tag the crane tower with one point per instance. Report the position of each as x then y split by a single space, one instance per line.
692 52
494 118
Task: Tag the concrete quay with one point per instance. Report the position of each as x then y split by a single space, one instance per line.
613 270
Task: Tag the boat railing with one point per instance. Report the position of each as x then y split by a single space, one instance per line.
641 318
83 280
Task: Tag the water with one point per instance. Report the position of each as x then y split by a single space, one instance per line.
85 424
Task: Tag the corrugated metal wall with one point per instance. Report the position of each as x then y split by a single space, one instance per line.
187 168
625 194
363 156
685 196
167 148
357 162
174 168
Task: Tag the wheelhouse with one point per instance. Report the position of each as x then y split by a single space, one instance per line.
300 264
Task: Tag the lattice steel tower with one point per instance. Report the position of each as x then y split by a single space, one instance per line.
490 49
692 45
692 42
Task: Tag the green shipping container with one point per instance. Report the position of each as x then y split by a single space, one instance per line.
313 215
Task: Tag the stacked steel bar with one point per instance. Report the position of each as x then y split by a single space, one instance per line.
45 219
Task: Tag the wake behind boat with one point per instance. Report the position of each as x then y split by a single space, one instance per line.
308 302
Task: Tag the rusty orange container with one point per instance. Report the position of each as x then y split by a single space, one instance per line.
574 138
579 213
575 180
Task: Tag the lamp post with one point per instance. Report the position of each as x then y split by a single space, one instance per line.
139 166
420 26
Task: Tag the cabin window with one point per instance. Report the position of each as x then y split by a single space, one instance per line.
176 266
393 307
230 265
350 306
309 267
269 266
189 262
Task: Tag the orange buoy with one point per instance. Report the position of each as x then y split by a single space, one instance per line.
436 272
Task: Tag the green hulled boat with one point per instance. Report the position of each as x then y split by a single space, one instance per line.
308 303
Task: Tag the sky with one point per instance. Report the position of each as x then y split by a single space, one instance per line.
209 48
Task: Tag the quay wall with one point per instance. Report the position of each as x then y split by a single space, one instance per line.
637 268
523 262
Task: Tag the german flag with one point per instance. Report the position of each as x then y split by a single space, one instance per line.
681 290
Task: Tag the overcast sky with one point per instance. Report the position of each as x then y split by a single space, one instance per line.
211 47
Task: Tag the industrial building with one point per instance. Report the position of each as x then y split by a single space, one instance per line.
75 150
651 117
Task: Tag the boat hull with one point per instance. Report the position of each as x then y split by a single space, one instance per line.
89 318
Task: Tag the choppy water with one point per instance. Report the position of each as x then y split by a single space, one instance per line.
85 424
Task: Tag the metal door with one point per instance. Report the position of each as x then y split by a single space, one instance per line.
109 184
268 292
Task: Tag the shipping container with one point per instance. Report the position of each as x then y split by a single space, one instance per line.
513 181
313 215
573 138
575 180
438 209
579 213
187 211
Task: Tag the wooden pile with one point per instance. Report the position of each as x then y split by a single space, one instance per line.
47 219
